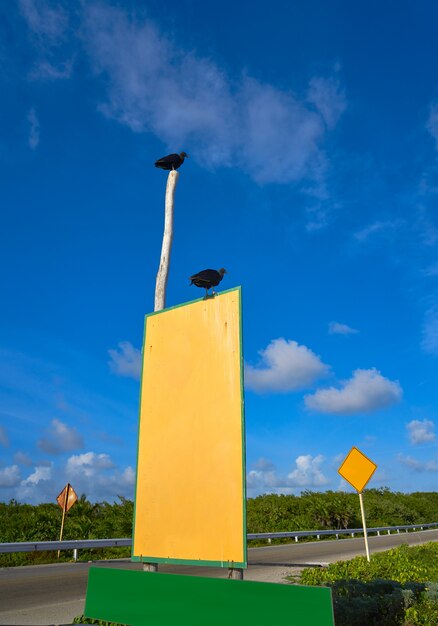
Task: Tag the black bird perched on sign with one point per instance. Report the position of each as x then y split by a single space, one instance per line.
208 279
171 161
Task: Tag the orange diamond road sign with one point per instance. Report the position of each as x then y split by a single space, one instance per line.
357 469
67 498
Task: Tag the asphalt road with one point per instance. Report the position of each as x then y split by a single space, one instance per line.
55 594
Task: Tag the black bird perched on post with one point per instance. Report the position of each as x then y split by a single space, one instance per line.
208 279
171 161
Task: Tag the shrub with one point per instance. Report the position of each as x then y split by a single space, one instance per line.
403 564
397 587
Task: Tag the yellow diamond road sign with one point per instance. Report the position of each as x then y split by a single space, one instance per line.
357 469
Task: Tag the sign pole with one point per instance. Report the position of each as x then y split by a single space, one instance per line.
357 470
64 510
365 535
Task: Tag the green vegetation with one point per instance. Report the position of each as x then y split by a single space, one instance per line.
399 586
24 522
403 564
339 510
267 513
81 619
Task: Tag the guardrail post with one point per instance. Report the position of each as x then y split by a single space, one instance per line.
378 533
296 538
75 554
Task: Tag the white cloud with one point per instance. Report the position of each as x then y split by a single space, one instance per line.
307 472
185 99
344 486
431 270
48 23
263 465
61 439
125 360
4 439
432 122
44 70
269 122
338 459
153 85
336 328
128 476
425 224
369 439
10 476
92 474
418 466
365 392
377 227
88 464
37 486
262 480
41 472
328 98
34 130
420 431
285 366
22 458
429 341
263 476
97 476
45 19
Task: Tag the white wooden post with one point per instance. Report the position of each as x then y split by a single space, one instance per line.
364 526
163 270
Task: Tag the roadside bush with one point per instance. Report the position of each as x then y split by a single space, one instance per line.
425 612
376 603
403 564
397 587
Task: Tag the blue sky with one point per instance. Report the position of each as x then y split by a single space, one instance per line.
312 131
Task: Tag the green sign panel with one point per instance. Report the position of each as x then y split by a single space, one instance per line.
142 598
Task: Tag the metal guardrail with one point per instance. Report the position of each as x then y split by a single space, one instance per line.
73 544
83 544
343 531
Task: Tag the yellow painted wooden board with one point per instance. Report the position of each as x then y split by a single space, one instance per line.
190 493
357 469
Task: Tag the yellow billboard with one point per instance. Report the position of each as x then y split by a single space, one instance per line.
190 491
